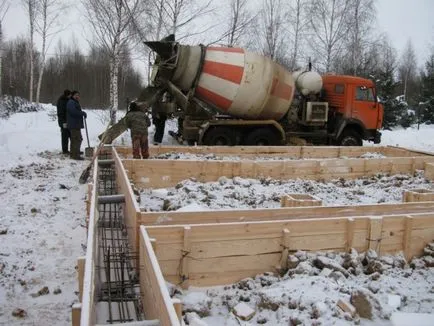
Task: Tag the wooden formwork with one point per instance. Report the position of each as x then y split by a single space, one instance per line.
219 247
291 152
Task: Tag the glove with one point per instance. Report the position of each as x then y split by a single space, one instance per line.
84 114
64 125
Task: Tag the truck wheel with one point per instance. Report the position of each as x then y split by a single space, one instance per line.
219 136
350 138
262 137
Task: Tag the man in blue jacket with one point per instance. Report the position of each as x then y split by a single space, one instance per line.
61 119
75 123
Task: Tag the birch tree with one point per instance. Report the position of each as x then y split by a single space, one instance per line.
329 23
272 36
47 25
31 11
298 24
113 24
4 7
407 70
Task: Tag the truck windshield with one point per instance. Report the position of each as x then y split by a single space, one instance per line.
364 94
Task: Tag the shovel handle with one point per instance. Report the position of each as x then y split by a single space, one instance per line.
87 134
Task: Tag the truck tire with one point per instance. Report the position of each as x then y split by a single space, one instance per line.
219 136
261 137
350 138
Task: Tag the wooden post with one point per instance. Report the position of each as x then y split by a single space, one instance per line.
408 228
185 259
177 304
375 229
350 234
81 261
283 201
153 244
429 171
76 314
285 248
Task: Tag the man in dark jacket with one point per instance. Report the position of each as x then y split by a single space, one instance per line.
138 122
75 123
61 119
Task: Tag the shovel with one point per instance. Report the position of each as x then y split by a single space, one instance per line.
86 172
88 151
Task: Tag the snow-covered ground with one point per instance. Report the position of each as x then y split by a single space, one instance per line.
42 212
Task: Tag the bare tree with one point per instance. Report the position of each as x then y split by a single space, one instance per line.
272 41
329 22
4 7
47 25
179 16
361 18
31 11
240 20
113 24
298 24
407 70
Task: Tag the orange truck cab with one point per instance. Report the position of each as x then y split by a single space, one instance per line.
354 111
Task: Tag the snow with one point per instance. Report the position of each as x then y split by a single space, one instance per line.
42 232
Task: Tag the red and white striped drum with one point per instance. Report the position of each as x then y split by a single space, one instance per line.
244 84
240 83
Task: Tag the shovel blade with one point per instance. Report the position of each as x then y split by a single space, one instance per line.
88 152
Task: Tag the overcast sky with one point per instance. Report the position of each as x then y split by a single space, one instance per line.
400 19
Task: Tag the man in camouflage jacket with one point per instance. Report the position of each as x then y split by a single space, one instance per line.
138 122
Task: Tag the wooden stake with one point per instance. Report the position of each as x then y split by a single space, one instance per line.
375 229
350 234
408 228
177 304
76 314
285 248
186 249
81 261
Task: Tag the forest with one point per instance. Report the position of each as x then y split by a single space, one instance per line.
337 36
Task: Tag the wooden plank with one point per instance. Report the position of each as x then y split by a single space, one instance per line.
157 303
131 207
408 229
375 231
264 262
88 316
80 273
251 230
166 173
226 216
185 258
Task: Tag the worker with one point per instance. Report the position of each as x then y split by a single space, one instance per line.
138 122
159 120
74 121
61 119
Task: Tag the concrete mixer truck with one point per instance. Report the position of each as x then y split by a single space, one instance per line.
230 96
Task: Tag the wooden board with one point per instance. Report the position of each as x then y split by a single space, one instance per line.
131 207
88 315
167 173
290 152
157 303
234 250
269 214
